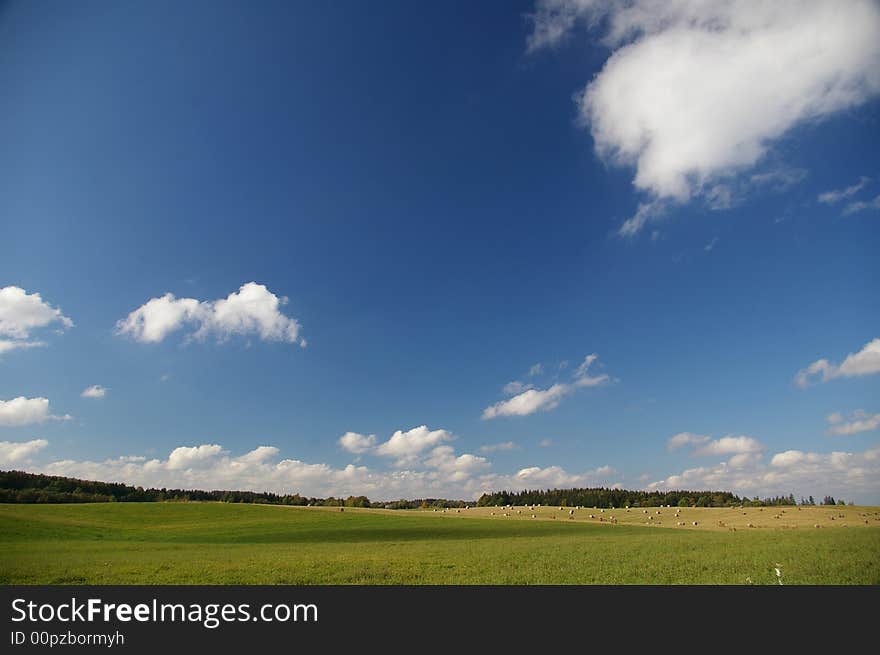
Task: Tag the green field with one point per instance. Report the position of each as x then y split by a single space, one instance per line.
217 543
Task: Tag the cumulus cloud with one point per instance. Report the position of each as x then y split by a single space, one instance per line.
864 362
356 443
529 402
835 196
676 99
94 391
855 476
441 474
858 421
685 439
457 468
26 411
543 400
406 446
730 446
253 310
21 313
498 447
744 449
14 453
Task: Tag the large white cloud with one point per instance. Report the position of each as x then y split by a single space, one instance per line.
406 446
543 400
26 411
253 310
677 98
21 313
14 453
864 362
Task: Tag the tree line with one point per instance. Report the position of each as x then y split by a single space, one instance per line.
22 487
606 497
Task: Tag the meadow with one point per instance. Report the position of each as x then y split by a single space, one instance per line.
220 543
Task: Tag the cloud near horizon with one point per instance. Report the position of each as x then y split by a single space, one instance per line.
253 310
675 100
842 474
440 473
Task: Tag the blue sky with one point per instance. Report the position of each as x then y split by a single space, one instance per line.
447 195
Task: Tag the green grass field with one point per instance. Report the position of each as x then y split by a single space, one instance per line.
215 543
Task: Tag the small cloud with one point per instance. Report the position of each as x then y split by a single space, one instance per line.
858 421
536 369
835 196
684 439
498 447
545 443
356 443
860 206
94 391
709 246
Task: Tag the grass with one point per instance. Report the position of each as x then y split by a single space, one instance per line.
216 543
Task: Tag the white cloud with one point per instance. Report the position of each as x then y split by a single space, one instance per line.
536 369
26 411
457 469
356 443
854 476
21 313
252 310
529 402
864 362
13 453
861 205
730 446
498 447
858 421
676 99
405 447
94 391
442 474
543 400
684 439
711 245
546 443
744 449
833 197
187 457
